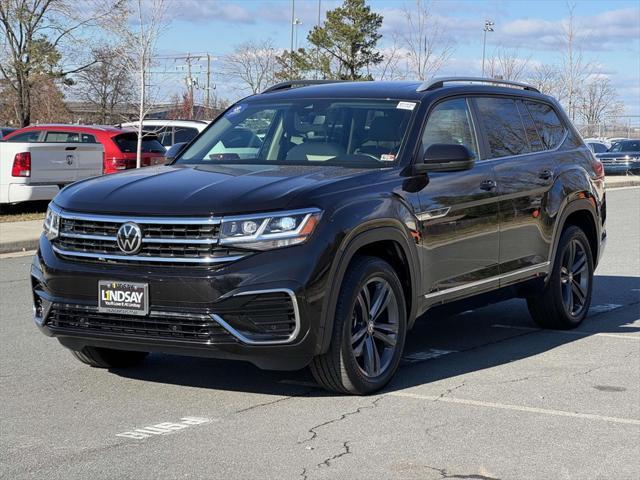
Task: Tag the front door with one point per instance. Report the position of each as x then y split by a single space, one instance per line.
459 213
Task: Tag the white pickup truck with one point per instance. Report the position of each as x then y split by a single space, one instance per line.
37 171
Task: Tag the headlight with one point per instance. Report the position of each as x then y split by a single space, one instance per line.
270 230
51 224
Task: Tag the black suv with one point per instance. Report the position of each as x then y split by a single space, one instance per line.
310 225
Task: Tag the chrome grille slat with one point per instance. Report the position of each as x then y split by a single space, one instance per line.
164 239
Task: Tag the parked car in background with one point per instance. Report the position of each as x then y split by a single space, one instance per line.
31 169
4 131
623 157
170 132
596 146
119 144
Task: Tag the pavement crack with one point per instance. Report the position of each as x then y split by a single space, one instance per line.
313 430
303 474
327 462
443 474
449 391
273 402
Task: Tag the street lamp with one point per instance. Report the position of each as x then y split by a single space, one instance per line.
488 27
296 22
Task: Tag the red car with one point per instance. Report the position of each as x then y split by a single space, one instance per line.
119 144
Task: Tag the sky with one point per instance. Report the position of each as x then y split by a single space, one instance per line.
609 33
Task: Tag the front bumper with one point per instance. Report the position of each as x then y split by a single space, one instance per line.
194 311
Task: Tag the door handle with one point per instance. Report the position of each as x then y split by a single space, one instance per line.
487 185
545 174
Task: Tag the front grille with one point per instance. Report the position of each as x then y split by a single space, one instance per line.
164 240
199 328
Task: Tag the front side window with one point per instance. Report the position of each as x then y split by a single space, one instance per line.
450 123
356 133
549 126
503 126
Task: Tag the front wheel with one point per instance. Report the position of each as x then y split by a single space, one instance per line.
369 330
565 301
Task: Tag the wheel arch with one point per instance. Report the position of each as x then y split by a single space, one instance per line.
580 212
387 241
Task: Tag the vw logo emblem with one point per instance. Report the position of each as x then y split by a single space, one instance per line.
129 238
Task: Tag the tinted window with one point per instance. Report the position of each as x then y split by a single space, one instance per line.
533 137
503 127
163 134
128 143
548 124
450 122
626 146
183 134
597 147
62 137
29 137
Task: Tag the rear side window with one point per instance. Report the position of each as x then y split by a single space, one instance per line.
184 134
163 134
503 126
128 143
533 137
27 137
549 126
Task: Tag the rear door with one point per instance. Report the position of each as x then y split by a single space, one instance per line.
520 151
459 212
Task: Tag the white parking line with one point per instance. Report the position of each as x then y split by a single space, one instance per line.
430 354
570 332
518 408
164 428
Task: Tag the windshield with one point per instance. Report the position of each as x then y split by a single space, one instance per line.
626 146
362 133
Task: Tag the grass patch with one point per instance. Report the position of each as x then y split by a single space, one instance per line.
23 212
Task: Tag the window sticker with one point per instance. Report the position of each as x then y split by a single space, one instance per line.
237 109
387 157
406 105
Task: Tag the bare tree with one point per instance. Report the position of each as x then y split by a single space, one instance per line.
138 33
106 85
428 48
253 64
546 78
34 32
507 64
598 102
574 69
392 67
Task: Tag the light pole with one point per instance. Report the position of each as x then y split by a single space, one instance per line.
296 22
488 27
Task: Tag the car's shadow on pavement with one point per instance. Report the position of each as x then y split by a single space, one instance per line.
451 345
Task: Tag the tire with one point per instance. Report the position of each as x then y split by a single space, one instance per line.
108 358
565 301
365 348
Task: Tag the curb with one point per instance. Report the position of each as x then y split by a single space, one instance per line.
19 245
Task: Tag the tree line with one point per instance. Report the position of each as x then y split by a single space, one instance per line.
45 53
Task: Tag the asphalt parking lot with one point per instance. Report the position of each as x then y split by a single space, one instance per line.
481 395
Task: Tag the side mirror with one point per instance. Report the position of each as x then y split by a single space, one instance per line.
175 150
441 157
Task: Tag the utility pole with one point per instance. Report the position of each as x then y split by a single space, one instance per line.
189 86
488 27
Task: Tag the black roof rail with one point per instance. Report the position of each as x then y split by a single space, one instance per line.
298 83
439 83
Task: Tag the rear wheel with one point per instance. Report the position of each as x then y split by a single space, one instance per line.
565 301
368 333
108 358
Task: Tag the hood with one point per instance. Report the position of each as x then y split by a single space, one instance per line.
188 190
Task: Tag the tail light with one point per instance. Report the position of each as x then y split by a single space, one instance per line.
112 165
598 168
21 165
